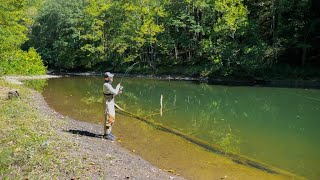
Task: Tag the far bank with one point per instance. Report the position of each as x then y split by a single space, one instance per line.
281 82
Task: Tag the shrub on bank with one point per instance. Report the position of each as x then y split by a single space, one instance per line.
19 62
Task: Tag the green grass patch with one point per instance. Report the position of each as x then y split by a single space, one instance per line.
30 147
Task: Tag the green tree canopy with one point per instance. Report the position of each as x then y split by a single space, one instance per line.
14 23
222 37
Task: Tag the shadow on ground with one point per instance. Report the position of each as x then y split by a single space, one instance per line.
84 133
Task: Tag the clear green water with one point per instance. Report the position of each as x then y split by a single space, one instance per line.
277 126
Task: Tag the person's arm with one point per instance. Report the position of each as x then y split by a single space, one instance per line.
113 91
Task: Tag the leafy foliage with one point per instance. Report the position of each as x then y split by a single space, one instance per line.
224 37
14 24
21 62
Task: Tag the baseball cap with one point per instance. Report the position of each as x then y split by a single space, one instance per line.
108 74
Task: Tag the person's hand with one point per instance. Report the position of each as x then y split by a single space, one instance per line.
118 86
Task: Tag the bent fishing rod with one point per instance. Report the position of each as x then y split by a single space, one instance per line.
127 71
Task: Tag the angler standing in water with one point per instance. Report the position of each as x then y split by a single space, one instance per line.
109 114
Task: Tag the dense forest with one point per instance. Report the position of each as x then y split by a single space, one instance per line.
189 37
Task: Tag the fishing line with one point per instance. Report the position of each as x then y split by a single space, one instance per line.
307 97
129 68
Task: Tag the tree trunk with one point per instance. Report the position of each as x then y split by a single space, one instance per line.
305 48
306 34
273 32
176 51
304 56
189 53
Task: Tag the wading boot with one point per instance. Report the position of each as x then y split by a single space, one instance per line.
112 135
109 137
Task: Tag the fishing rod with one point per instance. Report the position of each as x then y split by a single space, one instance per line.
129 68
